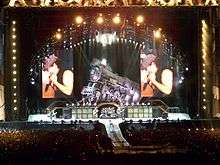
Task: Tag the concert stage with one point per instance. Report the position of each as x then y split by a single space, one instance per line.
99 63
96 82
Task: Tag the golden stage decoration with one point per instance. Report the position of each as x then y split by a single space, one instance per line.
110 3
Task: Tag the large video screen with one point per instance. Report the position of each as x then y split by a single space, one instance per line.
57 75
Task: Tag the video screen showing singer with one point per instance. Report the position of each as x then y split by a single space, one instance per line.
57 79
154 80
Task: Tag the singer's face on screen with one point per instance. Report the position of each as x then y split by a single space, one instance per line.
54 69
152 68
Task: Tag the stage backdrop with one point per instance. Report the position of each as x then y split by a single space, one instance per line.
70 56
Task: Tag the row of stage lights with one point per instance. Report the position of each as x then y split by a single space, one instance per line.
100 19
117 20
14 66
205 42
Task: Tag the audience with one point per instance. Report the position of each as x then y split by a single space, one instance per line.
89 141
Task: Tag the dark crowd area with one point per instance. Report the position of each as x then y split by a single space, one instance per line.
198 139
87 142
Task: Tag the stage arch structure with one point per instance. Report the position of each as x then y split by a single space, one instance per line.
99 52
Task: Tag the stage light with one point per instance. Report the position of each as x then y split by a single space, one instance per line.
180 81
197 129
140 19
203 71
116 19
203 78
104 62
13 22
204 93
187 68
14 94
14 100
204 51
14 72
14 50
13 36
212 129
14 86
14 65
157 33
13 29
100 20
14 79
58 36
14 57
59 30
79 20
203 85
182 77
203 64
204 100
204 107
189 129
13 43
15 108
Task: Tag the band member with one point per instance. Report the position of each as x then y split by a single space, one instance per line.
153 79
55 81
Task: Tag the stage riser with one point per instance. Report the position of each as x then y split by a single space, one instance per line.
91 113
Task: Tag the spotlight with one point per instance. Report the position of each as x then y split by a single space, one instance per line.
116 19
180 81
79 20
58 36
157 33
140 19
100 20
104 62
